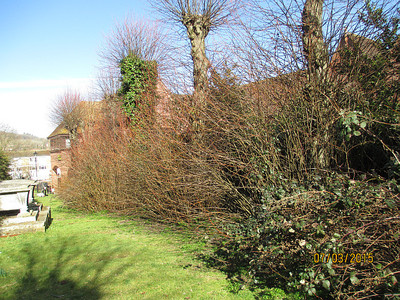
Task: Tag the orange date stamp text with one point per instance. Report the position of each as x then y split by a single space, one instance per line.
343 258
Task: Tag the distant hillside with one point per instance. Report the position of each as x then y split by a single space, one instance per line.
15 144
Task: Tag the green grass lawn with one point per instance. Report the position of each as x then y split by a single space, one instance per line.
98 256
95 256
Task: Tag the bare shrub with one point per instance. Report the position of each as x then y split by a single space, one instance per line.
142 170
96 177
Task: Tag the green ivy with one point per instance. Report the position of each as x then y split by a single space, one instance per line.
370 111
275 246
138 77
350 124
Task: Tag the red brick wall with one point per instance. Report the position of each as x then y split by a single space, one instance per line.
58 142
59 159
162 105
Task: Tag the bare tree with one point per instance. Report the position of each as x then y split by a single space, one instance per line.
272 34
66 110
300 37
5 136
133 36
199 17
108 83
142 38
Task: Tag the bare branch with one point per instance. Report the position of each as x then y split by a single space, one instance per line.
65 110
214 12
269 41
108 82
134 36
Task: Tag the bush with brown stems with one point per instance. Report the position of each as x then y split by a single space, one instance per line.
271 167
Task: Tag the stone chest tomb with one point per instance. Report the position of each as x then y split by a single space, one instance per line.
18 211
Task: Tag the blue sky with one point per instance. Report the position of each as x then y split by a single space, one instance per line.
47 46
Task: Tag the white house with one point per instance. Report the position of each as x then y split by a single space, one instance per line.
31 167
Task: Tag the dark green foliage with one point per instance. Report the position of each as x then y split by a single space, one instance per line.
4 166
368 130
277 244
388 28
139 79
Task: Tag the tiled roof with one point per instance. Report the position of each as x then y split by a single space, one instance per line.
60 130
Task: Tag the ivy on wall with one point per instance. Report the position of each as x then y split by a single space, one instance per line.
138 86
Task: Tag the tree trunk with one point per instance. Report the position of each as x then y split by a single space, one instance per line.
314 48
316 55
198 28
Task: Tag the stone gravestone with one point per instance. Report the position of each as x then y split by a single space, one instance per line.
18 211
16 195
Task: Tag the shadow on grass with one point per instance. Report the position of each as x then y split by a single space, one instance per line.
61 274
235 265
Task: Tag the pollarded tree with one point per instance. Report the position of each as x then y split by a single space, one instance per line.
288 37
199 17
316 57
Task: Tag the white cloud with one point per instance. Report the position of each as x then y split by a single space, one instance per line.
25 105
